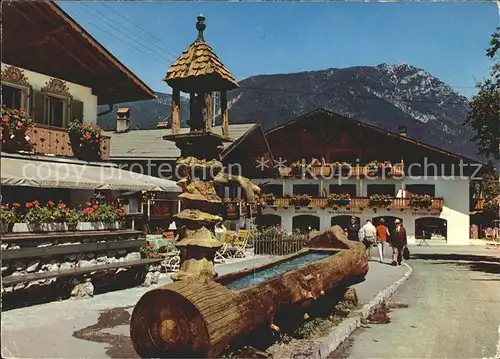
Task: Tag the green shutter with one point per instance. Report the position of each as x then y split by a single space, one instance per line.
38 99
76 110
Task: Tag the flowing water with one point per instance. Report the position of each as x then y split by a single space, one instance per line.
263 275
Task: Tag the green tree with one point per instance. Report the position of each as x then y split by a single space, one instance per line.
484 111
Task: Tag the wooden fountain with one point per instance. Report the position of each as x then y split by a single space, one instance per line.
197 316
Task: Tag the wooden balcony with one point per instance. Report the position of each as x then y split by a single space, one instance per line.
54 141
232 209
358 202
332 171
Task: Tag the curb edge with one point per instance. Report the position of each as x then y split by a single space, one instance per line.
329 343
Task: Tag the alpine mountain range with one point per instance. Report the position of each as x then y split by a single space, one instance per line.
387 96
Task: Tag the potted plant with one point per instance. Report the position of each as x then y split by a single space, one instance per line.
372 168
421 201
379 200
341 168
300 200
338 199
8 216
269 199
299 168
13 129
48 218
231 207
100 217
85 140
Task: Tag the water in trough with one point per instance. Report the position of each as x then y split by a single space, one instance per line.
263 275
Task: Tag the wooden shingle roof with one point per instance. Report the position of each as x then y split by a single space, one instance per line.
198 69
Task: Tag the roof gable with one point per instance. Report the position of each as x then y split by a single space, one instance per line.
41 37
335 116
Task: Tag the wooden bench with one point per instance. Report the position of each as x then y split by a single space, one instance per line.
73 272
31 246
33 252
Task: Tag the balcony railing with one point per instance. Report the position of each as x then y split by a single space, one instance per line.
358 202
55 141
332 171
237 208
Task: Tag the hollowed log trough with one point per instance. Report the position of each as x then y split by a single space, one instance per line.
201 319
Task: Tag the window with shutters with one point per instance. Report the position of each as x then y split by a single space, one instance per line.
54 110
15 97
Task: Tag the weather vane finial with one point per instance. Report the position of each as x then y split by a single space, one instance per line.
200 26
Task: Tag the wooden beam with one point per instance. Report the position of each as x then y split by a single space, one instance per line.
10 280
176 112
224 114
69 236
35 252
209 114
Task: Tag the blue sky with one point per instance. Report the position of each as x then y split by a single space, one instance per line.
446 39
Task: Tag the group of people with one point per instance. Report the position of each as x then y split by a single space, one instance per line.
379 236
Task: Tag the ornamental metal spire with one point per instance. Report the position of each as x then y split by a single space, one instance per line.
200 26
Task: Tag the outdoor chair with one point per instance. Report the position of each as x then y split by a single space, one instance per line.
239 248
222 255
422 241
171 264
169 236
488 233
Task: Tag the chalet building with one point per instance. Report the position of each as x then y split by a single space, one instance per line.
333 167
54 76
57 72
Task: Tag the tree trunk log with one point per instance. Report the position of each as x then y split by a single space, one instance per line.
196 318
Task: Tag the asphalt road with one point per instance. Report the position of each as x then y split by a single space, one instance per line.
453 310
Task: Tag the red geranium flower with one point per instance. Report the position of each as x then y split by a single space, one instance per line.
29 205
95 206
62 205
35 203
88 204
16 205
51 203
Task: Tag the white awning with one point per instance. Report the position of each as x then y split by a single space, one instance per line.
57 174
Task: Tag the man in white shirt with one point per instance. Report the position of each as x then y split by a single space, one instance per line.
368 235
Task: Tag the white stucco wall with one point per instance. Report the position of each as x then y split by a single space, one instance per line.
79 92
455 211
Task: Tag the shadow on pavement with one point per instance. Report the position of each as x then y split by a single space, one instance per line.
456 257
477 263
120 346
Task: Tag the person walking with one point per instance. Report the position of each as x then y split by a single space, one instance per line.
398 242
382 236
368 235
353 229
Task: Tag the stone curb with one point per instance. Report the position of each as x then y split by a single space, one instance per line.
326 345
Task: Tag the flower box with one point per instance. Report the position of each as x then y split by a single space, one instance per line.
98 226
5 227
39 227
338 201
341 170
